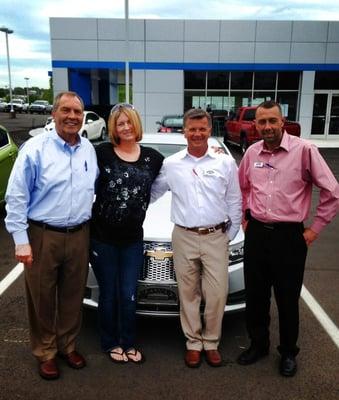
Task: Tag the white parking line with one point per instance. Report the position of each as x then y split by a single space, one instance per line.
321 316
11 277
311 302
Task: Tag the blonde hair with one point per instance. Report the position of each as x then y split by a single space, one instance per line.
133 117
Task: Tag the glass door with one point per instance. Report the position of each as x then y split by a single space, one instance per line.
333 129
325 120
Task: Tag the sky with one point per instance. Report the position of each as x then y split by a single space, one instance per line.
29 45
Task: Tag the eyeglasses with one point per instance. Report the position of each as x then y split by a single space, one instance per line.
119 106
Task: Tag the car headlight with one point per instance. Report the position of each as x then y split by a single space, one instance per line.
236 253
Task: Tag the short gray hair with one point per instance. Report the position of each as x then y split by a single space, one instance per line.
66 93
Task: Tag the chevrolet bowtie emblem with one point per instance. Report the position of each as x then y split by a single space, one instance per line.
159 254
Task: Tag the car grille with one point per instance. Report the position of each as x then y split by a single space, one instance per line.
158 263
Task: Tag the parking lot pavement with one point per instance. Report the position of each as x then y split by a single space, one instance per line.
22 122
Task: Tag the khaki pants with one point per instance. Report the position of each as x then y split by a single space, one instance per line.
201 266
54 288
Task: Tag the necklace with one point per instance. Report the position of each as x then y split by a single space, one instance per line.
132 154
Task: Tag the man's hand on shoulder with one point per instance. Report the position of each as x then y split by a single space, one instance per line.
218 150
23 253
309 236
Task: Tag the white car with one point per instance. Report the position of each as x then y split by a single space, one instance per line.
93 126
157 287
3 105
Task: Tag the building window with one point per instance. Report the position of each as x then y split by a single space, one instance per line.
259 97
195 80
288 80
228 90
217 80
241 80
265 80
289 103
326 80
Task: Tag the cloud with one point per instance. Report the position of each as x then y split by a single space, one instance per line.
30 42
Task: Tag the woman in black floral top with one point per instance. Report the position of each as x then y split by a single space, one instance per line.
127 171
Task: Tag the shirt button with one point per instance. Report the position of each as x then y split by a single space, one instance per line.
269 195
271 181
269 209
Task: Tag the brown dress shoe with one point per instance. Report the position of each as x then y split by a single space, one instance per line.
193 358
49 369
213 358
74 359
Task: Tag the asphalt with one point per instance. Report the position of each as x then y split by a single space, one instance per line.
22 122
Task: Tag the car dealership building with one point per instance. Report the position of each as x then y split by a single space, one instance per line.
178 64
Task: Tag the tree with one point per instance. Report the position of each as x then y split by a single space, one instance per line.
19 91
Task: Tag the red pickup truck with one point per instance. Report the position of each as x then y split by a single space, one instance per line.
241 129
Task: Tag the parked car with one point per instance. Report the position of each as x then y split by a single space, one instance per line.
19 106
40 107
8 153
171 123
93 126
3 105
157 293
240 128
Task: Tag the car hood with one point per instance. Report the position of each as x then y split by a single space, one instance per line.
158 226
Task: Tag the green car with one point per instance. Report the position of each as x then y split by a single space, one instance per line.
8 153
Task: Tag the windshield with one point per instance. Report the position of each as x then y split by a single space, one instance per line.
176 122
166 149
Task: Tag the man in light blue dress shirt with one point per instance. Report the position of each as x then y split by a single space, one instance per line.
49 201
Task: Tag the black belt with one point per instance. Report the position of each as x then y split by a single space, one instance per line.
276 225
62 229
204 231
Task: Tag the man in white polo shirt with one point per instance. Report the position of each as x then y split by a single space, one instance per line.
206 211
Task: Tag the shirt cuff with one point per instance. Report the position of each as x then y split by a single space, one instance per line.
20 237
232 233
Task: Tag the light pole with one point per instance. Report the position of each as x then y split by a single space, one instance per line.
127 53
27 79
8 32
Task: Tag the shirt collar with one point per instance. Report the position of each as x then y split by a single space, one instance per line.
284 144
62 143
209 153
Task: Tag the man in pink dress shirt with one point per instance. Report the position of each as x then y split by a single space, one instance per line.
276 178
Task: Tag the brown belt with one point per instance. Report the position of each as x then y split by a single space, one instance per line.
204 231
62 229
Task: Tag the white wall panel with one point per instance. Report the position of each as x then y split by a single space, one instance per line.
308 52
309 31
237 52
333 31
60 80
166 30
202 31
138 76
164 51
272 52
274 31
201 52
115 50
109 29
237 31
73 28
164 81
332 53
77 50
